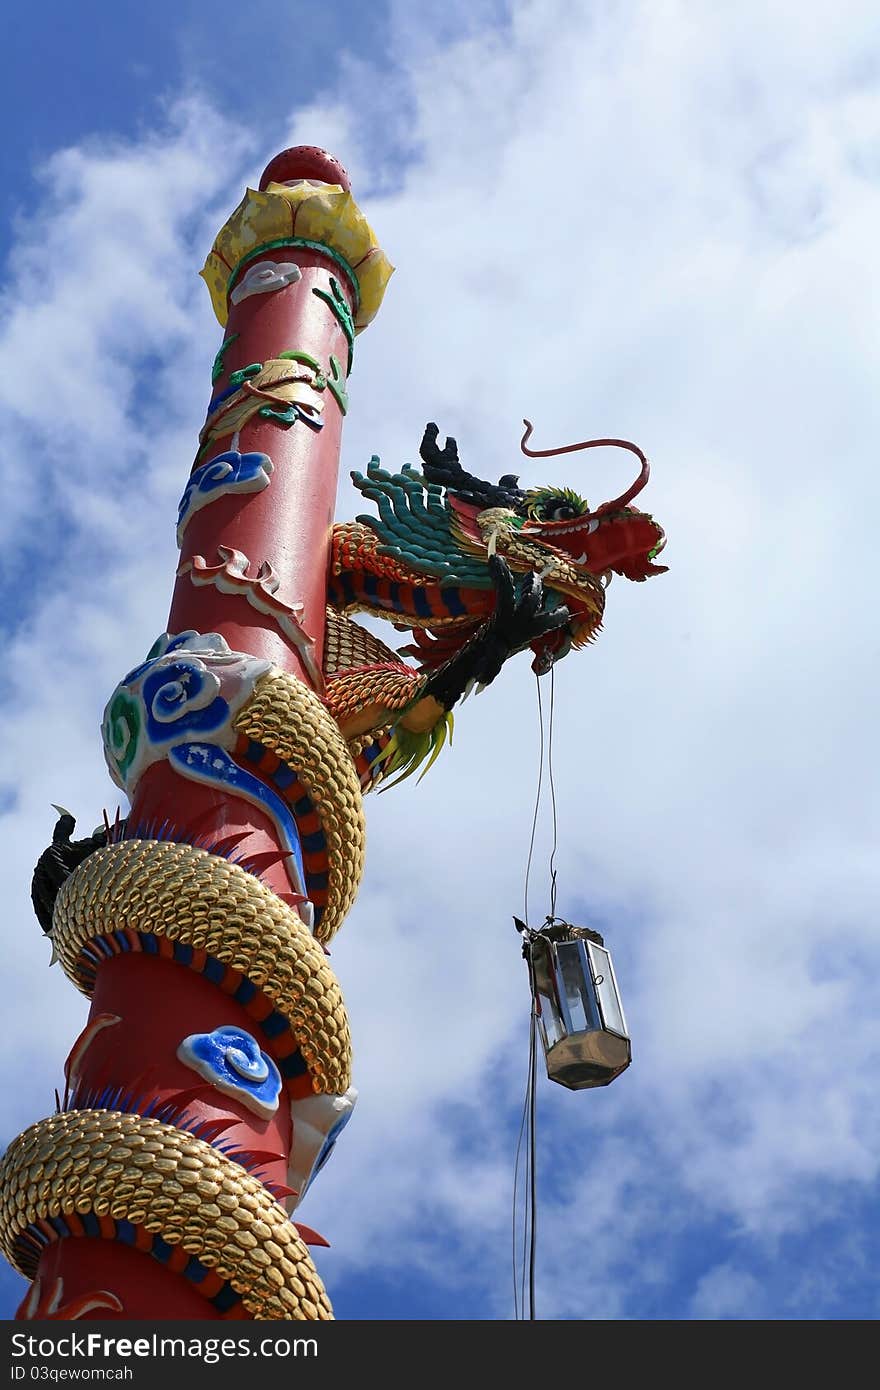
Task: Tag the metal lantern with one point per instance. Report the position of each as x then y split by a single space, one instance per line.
578 1006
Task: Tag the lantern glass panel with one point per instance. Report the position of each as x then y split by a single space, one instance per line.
552 1026
575 976
606 989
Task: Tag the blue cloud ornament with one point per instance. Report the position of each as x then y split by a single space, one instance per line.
233 1061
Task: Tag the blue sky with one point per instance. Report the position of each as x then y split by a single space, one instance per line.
650 220
93 71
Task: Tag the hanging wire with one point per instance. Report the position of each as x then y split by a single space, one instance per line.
533 1186
528 1121
529 1215
552 792
517 1302
537 801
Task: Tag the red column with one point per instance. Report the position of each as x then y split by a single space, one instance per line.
254 534
287 524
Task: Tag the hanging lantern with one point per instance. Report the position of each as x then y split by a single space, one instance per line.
578 1005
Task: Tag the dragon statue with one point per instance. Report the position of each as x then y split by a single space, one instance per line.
476 571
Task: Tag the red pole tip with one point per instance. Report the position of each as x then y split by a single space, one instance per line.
304 162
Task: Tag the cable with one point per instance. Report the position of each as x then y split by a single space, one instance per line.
552 794
519 1283
533 1212
527 1184
519 1291
537 801
522 1126
530 1102
525 1271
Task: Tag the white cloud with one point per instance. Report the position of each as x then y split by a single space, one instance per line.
651 220
726 1292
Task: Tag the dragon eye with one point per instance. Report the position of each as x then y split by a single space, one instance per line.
554 504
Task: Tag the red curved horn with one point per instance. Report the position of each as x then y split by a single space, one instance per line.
625 497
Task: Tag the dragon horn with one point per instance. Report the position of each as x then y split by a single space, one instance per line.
625 497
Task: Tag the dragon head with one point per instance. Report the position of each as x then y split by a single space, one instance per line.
553 532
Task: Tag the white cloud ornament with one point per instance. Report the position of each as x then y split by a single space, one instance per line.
265 276
317 1123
